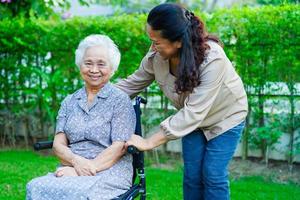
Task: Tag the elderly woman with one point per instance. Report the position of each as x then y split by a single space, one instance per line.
92 126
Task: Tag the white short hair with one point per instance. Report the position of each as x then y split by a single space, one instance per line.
114 55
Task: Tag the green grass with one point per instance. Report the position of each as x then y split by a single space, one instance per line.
17 167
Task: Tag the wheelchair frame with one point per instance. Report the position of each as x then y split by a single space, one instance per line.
138 189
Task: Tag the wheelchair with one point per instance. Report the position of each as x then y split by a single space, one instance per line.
138 189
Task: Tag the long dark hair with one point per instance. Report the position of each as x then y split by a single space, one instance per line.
178 24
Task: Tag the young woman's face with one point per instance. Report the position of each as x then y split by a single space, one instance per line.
164 47
95 68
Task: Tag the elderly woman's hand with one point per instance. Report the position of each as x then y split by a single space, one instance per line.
84 167
65 171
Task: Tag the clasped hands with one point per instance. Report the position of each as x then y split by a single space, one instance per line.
80 167
84 167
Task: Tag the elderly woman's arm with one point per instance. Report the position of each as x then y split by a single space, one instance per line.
122 127
61 149
83 166
109 156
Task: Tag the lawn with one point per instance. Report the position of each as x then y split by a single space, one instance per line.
17 167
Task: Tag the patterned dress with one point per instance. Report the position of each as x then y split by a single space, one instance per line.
90 130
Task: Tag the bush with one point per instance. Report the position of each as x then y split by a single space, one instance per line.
38 71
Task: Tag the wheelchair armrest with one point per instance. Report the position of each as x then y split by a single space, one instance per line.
43 145
133 150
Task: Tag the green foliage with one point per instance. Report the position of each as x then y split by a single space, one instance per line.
37 67
33 8
267 135
153 117
257 188
37 59
263 42
264 45
276 2
17 168
131 6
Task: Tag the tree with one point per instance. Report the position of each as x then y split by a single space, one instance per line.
130 6
276 2
32 8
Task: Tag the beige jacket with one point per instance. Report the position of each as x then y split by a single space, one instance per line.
218 104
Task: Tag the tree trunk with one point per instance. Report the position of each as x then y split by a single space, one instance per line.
40 98
161 100
261 122
292 127
267 156
245 136
261 100
146 97
166 103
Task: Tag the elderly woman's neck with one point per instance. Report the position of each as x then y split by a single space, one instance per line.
93 90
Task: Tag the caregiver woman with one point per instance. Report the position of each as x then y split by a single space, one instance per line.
193 71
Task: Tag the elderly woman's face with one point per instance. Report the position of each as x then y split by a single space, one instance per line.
96 68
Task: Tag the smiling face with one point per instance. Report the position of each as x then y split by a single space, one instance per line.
164 47
95 68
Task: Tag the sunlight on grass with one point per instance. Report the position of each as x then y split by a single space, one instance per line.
17 167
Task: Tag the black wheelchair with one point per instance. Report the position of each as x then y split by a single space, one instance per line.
138 189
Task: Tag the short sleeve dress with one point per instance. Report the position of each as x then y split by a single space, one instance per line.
90 130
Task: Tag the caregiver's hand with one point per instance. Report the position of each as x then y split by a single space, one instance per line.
139 142
143 144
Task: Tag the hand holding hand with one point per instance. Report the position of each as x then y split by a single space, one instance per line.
84 167
65 171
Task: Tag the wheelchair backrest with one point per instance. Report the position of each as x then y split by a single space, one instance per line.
138 158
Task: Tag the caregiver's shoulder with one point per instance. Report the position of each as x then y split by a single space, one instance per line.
119 94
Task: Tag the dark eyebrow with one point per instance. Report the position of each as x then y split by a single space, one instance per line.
100 60
89 60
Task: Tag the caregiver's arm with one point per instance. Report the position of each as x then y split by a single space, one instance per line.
195 109
140 79
153 141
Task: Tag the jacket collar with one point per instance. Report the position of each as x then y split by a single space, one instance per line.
104 92
81 96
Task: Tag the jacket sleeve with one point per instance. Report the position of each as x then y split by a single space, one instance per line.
140 79
198 103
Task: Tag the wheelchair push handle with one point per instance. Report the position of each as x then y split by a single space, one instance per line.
143 101
139 100
43 145
132 149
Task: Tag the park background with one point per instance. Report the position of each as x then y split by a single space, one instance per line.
37 70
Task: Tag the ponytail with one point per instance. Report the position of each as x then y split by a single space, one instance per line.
178 24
